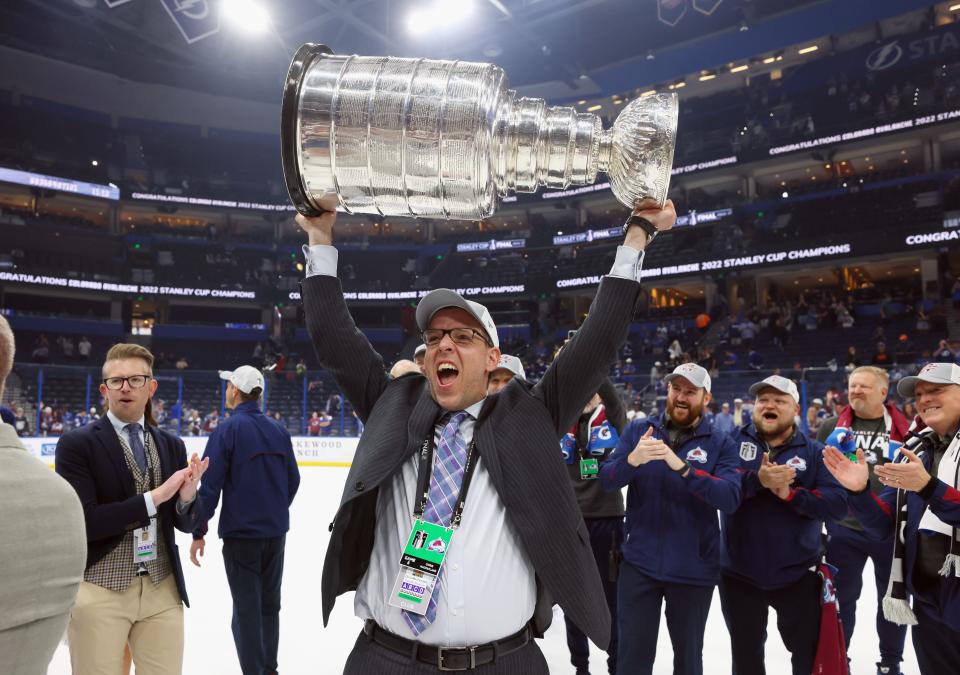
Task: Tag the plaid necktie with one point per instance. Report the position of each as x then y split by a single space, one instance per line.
136 445
448 465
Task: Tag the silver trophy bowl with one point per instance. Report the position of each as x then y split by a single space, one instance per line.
447 139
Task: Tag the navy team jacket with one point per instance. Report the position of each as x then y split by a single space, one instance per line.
771 542
876 514
672 530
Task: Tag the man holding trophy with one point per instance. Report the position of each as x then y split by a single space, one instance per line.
457 527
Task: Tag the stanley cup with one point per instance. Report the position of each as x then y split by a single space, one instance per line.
447 139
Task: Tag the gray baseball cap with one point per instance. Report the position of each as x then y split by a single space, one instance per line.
935 373
442 298
422 349
779 383
513 364
697 375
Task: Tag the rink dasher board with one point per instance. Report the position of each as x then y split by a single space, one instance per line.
310 450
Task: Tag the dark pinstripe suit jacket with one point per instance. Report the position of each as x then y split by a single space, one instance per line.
517 434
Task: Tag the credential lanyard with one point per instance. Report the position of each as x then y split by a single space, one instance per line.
426 474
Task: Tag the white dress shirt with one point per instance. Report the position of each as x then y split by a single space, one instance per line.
487 590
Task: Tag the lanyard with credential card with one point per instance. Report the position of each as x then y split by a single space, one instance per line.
428 542
145 538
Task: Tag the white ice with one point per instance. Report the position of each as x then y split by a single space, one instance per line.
306 647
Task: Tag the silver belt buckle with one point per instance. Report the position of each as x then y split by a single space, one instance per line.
441 667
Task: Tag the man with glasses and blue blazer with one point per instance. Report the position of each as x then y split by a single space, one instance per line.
135 486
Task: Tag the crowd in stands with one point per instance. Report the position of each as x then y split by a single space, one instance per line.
817 336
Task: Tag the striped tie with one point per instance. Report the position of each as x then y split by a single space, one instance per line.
448 465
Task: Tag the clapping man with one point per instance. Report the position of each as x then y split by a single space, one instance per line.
920 509
135 486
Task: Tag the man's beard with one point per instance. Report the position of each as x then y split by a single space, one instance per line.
780 427
691 414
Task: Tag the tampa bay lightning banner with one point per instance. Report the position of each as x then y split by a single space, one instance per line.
196 19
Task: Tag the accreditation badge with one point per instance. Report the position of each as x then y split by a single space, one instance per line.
420 565
145 542
589 469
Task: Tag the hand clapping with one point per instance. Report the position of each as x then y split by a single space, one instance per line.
910 475
851 475
775 477
649 449
196 469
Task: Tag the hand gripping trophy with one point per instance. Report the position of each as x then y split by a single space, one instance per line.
448 139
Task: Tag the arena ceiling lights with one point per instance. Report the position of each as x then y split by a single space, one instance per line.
438 15
248 16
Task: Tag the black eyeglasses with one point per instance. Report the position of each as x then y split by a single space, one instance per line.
135 381
461 337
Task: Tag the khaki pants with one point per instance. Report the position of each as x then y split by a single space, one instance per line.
148 617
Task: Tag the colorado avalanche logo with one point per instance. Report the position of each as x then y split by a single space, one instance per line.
697 455
797 463
829 593
567 444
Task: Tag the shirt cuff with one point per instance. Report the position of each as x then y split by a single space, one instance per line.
627 264
183 506
151 507
321 259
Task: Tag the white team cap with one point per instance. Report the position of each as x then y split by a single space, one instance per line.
696 375
513 364
779 383
935 373
244 378
442 298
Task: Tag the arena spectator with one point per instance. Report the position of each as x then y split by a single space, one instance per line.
84 348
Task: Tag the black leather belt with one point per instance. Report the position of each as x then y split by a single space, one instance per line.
448 659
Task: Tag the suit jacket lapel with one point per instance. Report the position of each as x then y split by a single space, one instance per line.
105 433
422 420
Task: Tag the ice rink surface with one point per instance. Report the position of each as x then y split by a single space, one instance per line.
306 647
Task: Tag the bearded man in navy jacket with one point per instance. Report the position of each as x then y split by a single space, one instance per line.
773 543
680 470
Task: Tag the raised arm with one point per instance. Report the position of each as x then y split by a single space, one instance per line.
580 368
339 344
613 405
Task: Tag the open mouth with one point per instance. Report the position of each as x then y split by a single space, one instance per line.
933 408
770 416
447 373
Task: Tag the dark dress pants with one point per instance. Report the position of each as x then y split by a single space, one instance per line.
606 535
745 609
937 645
639 601
254 571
